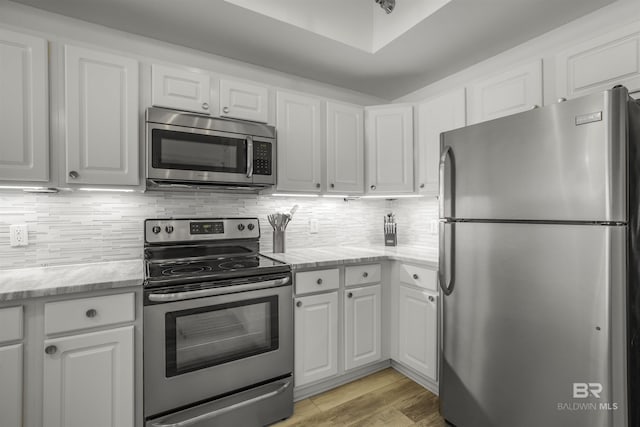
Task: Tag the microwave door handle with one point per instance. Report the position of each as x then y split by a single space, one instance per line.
249 156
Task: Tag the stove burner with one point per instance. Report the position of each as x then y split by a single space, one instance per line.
239 263
187 269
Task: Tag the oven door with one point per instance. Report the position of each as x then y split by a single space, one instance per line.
190 154
197 348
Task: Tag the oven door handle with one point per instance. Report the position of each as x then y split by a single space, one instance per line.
218 412
181 296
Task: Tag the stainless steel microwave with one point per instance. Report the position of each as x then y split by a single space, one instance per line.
187 151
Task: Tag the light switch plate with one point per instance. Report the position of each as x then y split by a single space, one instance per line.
313 226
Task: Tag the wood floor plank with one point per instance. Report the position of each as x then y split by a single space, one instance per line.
302 410
384 417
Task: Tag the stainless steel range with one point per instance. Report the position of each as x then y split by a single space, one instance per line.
218 326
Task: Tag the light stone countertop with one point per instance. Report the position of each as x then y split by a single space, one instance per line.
65 279
337 255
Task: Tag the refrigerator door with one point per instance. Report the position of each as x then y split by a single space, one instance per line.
527 326
564 162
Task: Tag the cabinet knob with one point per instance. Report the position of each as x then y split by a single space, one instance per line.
74 175
92 312
350 295
365 274
319 281
51 349
421 185
225 110
415 277
562 99
318 185
373 187
299 304
205 106
333 185
533 107
431 298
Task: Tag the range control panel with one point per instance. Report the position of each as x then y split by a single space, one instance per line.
200 229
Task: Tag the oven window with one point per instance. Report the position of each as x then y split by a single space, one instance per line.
190 151
208 336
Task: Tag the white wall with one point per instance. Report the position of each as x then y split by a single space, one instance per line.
546 46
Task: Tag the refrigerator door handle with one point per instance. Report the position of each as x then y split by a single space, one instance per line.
446 152
447 287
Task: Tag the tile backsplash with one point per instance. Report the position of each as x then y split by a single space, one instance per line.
80 227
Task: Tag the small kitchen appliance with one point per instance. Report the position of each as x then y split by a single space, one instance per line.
218 326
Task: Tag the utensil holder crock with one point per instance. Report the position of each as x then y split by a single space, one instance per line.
278 241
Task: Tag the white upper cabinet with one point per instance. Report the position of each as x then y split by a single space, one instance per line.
437 115
242 100
600 63
389 149
513 91
24 112
299 142
101 103
181 89
345 149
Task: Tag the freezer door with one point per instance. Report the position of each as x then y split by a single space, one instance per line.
528 324
564 162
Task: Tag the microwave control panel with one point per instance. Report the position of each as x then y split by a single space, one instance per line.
261 158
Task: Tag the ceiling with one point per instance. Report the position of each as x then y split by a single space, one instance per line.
347 43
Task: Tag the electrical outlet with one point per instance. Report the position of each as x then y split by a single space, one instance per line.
313 226
19 235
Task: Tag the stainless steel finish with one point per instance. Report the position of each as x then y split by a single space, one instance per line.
299 304
267 405
584 119
520 325
181 230
198 121
183 296
447 181
164 393
571 173
446 257
249 156
51 349
225 110
205 106
91 313
74 175
161 185
350 295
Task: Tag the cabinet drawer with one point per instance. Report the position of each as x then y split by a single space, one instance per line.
73 315
317 281
11 321
419 276
362 274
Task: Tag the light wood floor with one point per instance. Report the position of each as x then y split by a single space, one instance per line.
384 399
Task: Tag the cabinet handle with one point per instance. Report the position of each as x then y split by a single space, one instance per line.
51 349
92 312
373 187
299 304
415 277
431 298
318 185
365 274
333 185
74 175
205 106
421 185
225 110
319 281
350 295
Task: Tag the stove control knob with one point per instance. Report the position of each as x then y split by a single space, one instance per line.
251 227
240 227
156 229
169 229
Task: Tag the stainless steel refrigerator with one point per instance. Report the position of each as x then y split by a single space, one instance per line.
539 267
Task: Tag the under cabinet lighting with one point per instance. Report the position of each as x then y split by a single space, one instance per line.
396 196
111 190
339 196
29 189
294 195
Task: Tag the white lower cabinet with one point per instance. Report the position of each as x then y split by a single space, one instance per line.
362 320
11 385
418 330
316 337
89 379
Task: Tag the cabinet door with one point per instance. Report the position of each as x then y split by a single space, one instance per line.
316 338
418 344
101 98
345 149
180 89
435 116
510 92
89 379
299 138
241 100
11 386
389 148
600 64
24 147
362 321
